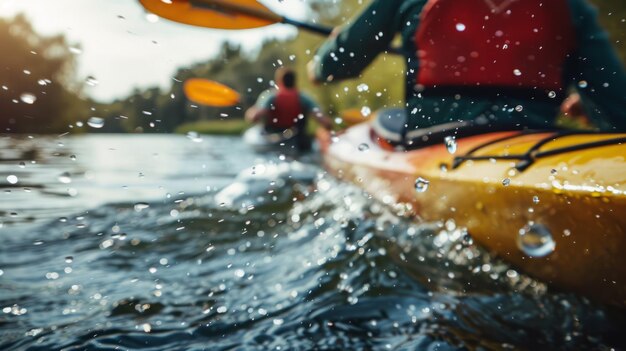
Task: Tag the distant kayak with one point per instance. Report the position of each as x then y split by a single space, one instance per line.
261 141
552 203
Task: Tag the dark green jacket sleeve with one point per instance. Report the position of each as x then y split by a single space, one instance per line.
307 103
358 44
596 71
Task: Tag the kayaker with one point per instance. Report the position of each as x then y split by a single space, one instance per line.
285 109
492 61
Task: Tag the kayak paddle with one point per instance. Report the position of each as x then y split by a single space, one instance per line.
354 116
210 93
228 14
224 14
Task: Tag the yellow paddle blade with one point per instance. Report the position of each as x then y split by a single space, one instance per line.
210 93
220 14
354 116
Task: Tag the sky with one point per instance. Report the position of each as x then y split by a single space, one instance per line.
122 49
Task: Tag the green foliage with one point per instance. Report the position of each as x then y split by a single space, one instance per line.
42 67
217 127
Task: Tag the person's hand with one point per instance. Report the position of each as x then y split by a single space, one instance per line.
311 67
323 120
251 114
335 33
573 106
327 124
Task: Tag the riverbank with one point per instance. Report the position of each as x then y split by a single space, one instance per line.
215 127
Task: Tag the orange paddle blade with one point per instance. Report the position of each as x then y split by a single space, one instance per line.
220 14
354 116
210 93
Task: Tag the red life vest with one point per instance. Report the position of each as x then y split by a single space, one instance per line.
494 43
286 109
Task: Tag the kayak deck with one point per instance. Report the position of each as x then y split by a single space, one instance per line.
576 199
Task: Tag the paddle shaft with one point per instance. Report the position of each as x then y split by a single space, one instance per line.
228 7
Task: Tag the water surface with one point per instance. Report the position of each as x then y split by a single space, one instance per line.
166 243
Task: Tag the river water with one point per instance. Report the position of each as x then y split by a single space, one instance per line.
170 243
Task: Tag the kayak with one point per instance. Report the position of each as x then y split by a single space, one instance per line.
551 203
261 141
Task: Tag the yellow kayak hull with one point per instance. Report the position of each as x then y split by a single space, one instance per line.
579 197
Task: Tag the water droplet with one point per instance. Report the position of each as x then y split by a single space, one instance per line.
535 240
536 199
69 259
91 81
76 50
22 164
12 179
278 321
73 157
222 309
467 239
152 18
517 72
519 108
28 98
460 27
582 84
366 111
362 87
96 122
450 144
364 147
553 172
65 178
140 206
506 181
106 244
52 275
511 273
240 273
421 185
551 94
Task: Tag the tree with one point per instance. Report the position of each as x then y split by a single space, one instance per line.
38 89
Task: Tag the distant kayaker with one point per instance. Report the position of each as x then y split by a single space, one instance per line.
286 109
491 61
